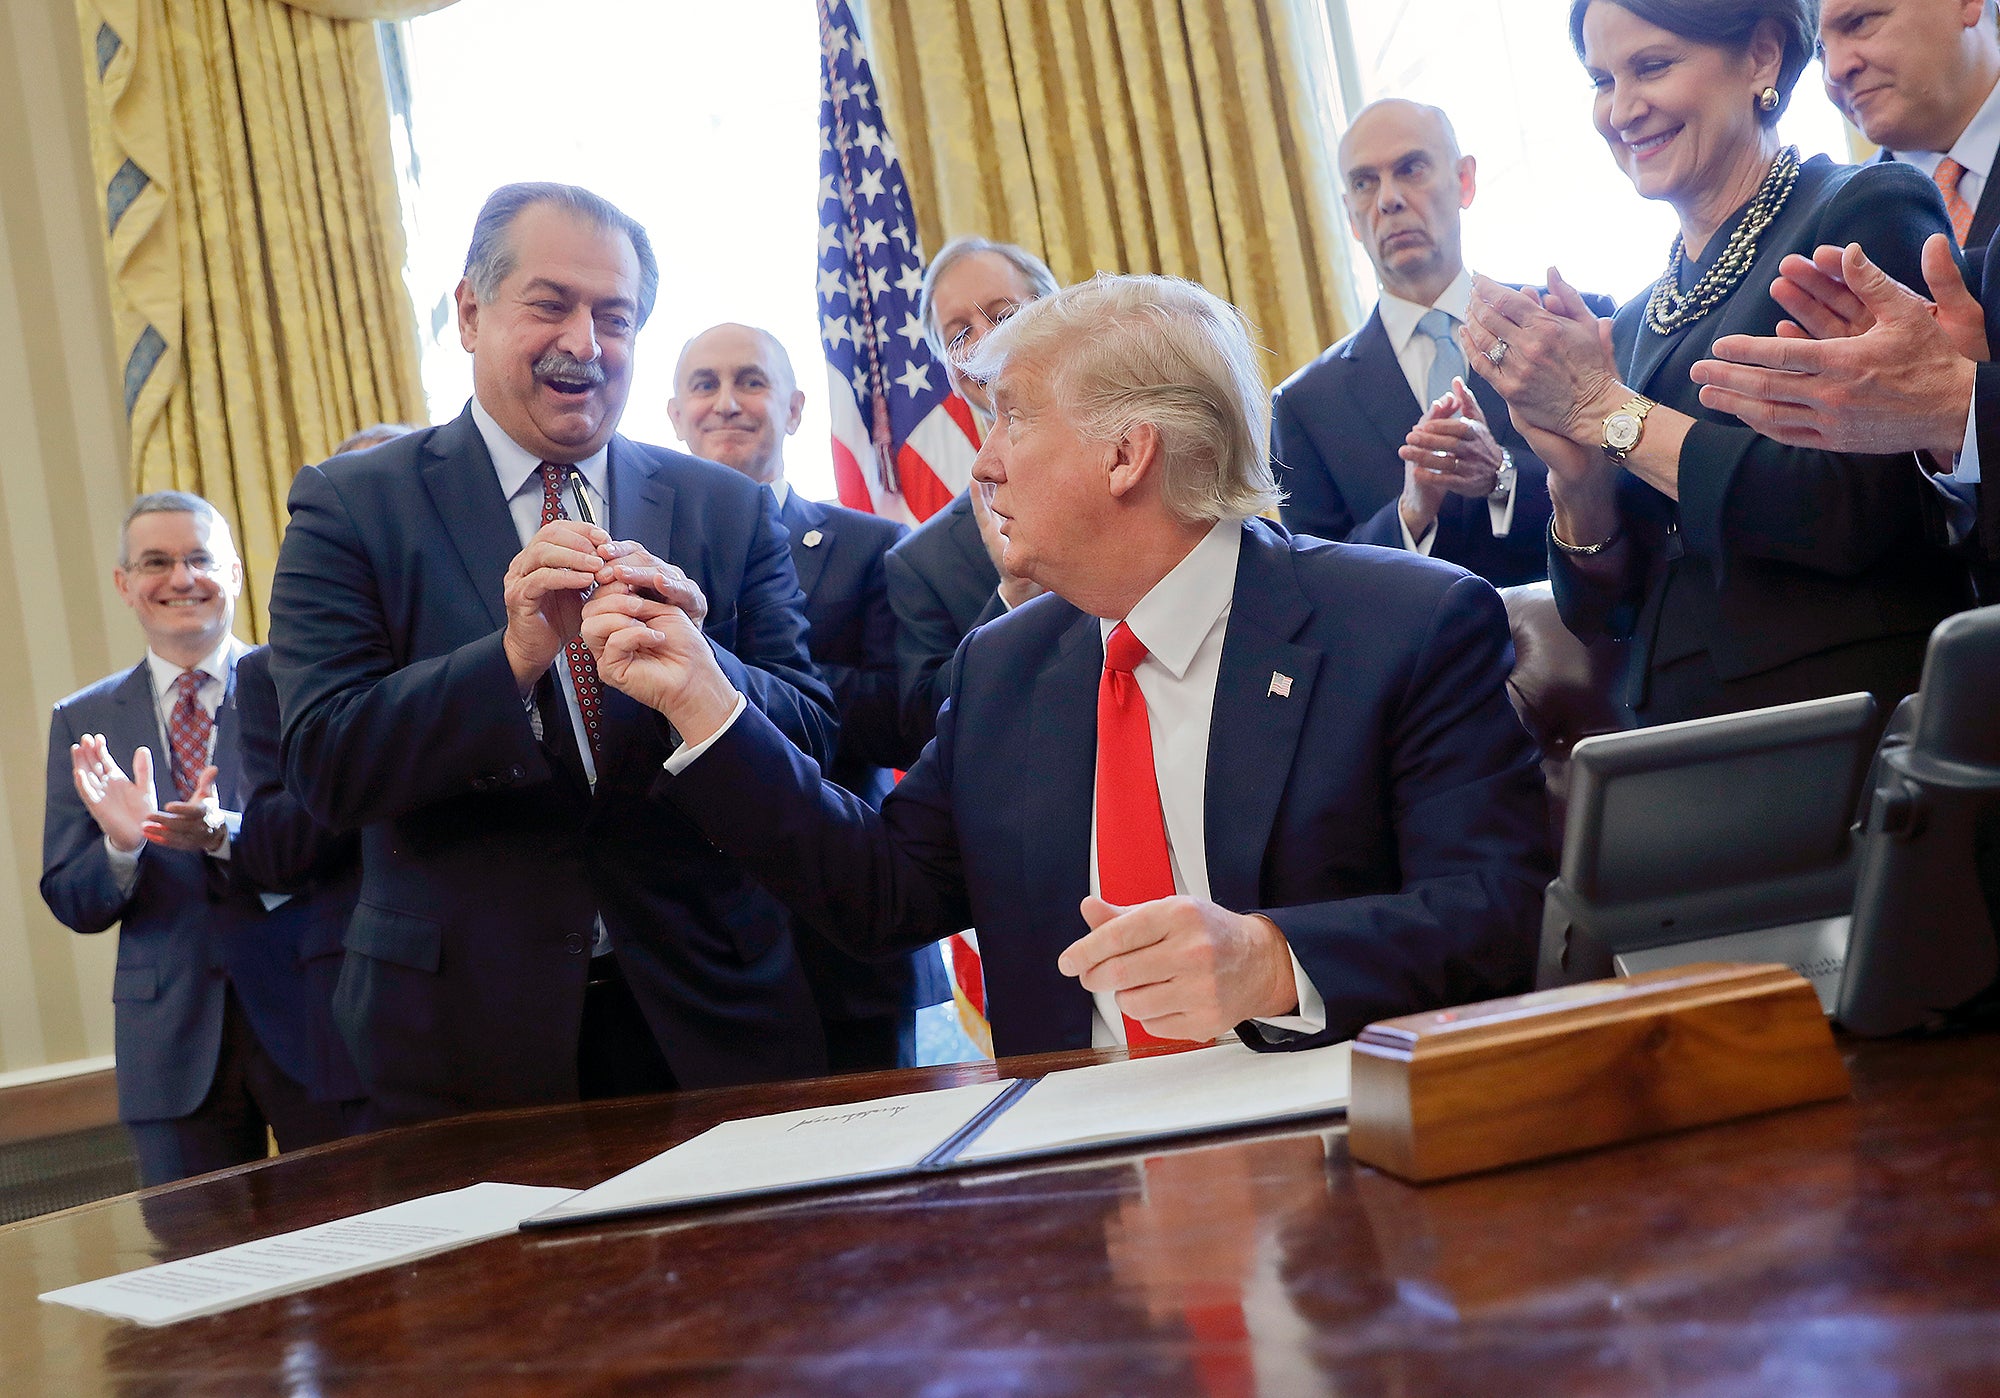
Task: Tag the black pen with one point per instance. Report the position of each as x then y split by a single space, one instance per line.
582 501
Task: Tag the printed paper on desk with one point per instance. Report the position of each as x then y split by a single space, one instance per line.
765 1154
276 1266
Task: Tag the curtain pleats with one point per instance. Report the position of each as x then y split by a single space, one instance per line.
1192 137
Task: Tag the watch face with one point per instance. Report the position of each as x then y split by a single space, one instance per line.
1621 431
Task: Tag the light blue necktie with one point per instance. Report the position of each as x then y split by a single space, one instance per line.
1449 362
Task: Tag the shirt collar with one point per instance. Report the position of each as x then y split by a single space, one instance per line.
1400 317
514 463
1974 147
215 665
1176 615
781 489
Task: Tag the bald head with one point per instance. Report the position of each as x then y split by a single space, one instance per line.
1405 183
736 399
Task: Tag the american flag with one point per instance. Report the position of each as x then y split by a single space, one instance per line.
903 442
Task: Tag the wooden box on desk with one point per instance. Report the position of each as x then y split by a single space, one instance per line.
1454 1091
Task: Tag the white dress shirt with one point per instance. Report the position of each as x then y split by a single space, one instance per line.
1181 622
520 473
164 674
1415 354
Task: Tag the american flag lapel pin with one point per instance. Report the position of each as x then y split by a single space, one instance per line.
1281 685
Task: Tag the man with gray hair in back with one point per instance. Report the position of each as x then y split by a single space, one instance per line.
948 577
1218 778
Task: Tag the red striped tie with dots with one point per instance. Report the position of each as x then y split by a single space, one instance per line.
1133 865
582 669
188 730
1948 173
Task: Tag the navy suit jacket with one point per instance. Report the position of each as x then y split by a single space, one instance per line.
1388 813
1335 428
486 856
1986 396
853 641
1985 217
182 929
942 583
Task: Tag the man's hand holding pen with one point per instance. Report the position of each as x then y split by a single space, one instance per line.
648 643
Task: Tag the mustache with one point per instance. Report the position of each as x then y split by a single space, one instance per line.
561 364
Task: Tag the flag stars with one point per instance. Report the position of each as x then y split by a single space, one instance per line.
869 139
831 283
912 330
834 330
870 187
872 236
901 233
915 377
911 283
829 238
878 282
826 191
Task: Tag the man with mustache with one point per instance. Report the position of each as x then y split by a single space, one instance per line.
533 924
1380 440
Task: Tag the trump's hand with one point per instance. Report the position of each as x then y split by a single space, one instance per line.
1184 967
1893 373
633 568
656 653
543 591
119 804
195 824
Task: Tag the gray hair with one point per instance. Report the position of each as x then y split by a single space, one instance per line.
490 259
172 502
1123 350
1035 272
374 435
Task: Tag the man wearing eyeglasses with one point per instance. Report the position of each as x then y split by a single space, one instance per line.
223 1023
947 577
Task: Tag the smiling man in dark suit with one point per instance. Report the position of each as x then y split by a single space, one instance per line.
1921 78
1380 440
221 1016
533 925
1218 777
736 400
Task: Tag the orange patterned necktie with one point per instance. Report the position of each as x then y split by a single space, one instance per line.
1948 173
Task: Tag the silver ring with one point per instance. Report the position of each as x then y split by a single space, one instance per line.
1497 353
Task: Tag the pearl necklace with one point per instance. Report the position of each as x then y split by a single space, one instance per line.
1669 308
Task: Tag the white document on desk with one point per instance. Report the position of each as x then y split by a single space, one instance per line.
756 1155
276 1266
1172 1094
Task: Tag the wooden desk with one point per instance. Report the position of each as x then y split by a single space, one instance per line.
1846 1248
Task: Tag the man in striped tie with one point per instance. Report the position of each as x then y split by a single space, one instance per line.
1216 778
1921 78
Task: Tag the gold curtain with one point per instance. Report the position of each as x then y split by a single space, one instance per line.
255 246
1186 136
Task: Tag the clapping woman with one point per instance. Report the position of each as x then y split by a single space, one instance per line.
1746 572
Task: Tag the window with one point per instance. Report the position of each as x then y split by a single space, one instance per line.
699 120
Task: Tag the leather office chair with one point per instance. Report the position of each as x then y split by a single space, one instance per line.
1564 689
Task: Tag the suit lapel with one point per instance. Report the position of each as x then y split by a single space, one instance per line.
1388 407
1986 217
135 723
458 474
228 739
802 517
1262 692
1058 802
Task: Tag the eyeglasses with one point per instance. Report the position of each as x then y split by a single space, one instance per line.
158 565
959 347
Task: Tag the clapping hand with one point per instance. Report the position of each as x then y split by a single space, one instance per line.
119 804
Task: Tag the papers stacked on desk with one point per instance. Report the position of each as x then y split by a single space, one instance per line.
1018 1118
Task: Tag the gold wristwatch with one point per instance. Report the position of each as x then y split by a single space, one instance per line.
1623 428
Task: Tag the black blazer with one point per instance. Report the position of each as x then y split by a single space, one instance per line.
1384 808
1986 396
942 583
1985 217
1789 551
1335 427
486 855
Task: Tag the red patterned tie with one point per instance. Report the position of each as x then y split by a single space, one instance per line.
1948 173
1133 865
188 729
582 669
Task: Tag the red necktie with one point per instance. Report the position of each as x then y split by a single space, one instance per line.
1948 173
188 730
1132 861
582 669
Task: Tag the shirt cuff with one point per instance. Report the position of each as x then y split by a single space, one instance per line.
1500 508
683 756
232 826
1965 466
1415 545
124 866
1311 1016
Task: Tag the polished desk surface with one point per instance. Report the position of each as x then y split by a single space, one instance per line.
1846 1248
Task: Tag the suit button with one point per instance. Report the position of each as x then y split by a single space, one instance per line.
516 773
573 944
